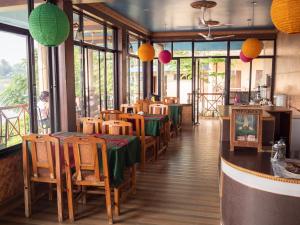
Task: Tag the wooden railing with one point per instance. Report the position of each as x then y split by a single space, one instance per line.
209 103
14 122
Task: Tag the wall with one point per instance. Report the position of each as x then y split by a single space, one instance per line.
11 182
288 68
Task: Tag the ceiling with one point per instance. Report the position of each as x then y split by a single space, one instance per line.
178 15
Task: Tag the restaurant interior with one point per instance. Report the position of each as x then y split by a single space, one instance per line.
150 112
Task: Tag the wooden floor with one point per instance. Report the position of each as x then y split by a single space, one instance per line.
180 188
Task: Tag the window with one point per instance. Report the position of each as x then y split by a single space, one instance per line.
135 75
261 78
182 49
42 88
13 89
110 38
239 81
94 61
93 32
15 14
110 80
158 47
210 48
185 80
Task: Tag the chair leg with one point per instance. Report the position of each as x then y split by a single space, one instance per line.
59 202
50 192
108 204
70 196
27 198
143 158
133 179
117 201
83 189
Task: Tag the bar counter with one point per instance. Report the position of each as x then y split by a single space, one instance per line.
251 194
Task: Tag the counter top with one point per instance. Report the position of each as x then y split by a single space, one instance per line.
225 111
252 162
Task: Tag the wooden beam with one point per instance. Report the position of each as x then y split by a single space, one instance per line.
104 12
193 35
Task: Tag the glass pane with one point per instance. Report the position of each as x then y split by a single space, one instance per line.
155 76
185 81
110 38
261 79
79 98
14 13
169 79
268 48
239 81
102 80
110 80
93 82
210 48
133 82
42 88
93 32
182 49
235 48
133 45
13 89
158 47
211 85
141 81
77 34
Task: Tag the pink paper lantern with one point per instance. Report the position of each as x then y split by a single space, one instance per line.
244 58
165 56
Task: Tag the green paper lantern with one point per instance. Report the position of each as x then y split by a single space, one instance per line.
49 25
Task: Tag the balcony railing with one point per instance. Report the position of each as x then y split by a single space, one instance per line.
14 122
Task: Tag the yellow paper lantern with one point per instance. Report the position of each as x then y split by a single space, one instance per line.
252 47
285 15
146 52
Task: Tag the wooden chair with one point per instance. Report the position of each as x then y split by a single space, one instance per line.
144 105
147 142
110 115
117 127
88 172
158 109
91 126
130 108
42 164
162 109
170 100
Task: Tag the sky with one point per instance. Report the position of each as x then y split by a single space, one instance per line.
12 47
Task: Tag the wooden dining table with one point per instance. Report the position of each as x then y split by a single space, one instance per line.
175 115
155 125
123 152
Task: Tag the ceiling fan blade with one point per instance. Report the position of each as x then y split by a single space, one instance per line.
202 35
222 37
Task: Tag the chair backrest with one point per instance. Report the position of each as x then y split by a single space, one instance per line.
170 100
158 109
110 115
130 108
91 125
44 154
87 157
117 127
144 105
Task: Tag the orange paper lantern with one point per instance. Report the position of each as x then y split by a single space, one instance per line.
285 15
146 52
252 48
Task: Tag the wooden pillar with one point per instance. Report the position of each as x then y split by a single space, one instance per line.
122 45
66 74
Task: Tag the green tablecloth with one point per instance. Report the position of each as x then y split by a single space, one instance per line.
122 151
175 113
154 123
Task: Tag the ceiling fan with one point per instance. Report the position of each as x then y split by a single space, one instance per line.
209 36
